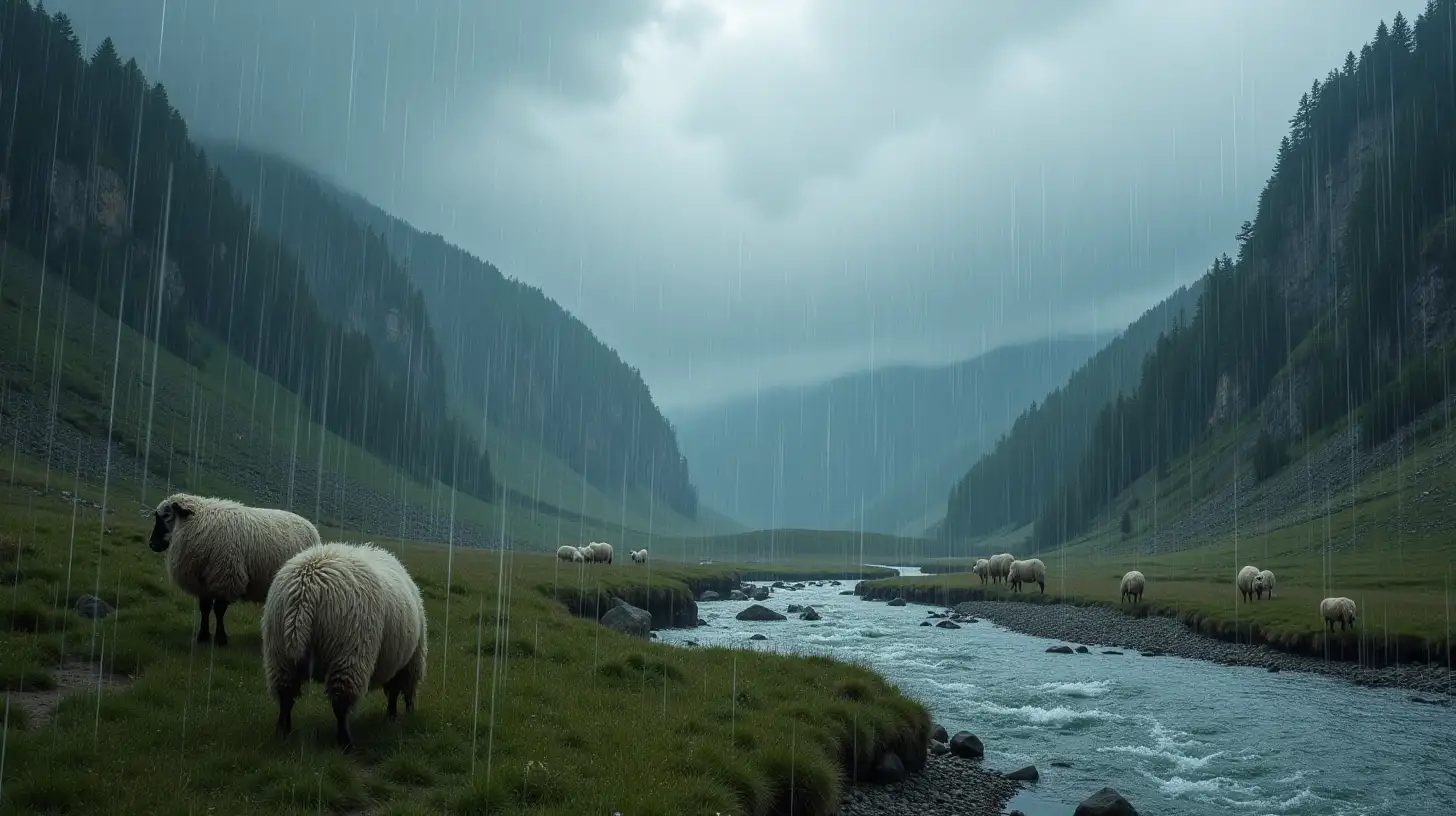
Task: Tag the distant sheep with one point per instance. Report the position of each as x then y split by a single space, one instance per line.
1132 586
1264 582
348 616
639 556
598 551
566 552
1245 582
1000 566
982 569
1028 571
221 552
1338 609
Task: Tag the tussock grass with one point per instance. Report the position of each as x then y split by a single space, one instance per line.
557 714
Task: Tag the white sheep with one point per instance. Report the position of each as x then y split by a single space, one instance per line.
221 552
982 569
598 551
1032 569
1000 566
348 616
1245 582
1132 586
1264 582
640 556
566 552
1338 609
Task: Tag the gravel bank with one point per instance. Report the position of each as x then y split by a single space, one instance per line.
1100 626
948 785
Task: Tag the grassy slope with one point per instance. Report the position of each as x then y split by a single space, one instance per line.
1392 550
223 416
524 708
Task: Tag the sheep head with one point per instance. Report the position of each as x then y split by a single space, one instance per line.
169 513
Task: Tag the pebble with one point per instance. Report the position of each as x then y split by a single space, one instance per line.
947 786
1155 636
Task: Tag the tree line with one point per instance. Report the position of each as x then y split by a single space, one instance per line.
187 253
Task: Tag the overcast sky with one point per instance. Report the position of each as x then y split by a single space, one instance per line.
744 193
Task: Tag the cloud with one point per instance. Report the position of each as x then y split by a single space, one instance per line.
737 194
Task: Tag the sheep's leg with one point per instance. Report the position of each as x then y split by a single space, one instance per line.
1042 584
219 608
204 606
391 691
342 701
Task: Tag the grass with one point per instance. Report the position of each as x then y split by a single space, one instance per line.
1392 550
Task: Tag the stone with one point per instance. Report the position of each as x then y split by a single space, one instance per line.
758 612
896 602
1105 802
90 606
1112 652
1027 774
735 595
629 620
945 624
794 608
1082 650
967 745
1059 650
709 595
939 733
759 637
810 614
889 770
939 748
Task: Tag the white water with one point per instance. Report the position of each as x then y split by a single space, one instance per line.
1174 736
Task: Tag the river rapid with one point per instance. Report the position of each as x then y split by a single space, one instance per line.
1174 736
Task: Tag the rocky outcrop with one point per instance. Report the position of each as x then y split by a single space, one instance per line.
628 619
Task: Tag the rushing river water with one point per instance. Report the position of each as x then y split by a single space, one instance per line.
1174 736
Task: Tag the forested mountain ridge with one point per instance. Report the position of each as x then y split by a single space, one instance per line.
102 183
1336 312
864 450
512 354
1010 485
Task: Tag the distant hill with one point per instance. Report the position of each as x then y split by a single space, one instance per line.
1010 485
886 441
511 354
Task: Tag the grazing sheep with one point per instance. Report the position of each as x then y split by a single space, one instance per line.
598 551
1000 566
1264 582
1245 582
1132 586
639 556
1032 569
221 552
566 552
982 569
348 616
1338 609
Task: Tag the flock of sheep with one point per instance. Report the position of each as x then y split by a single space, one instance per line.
596 552
1252 584
1005 567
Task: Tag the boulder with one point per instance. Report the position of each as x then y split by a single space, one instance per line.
1059 650
759 637
896 602
758 612
628 619
1061 763
939 748
1112 652
945 624
810 614
761 594
735 595
709 595
925 623
967 745
888 770
970 620
1106 802
939 733
846 592
794 608
1027 774
1082 650
90 606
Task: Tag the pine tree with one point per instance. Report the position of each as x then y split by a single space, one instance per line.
1400 33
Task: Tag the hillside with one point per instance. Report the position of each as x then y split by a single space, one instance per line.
1008 487
817 456
1322 354
513 355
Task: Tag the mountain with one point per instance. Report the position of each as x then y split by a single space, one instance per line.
1331 336
513 356
817 456
1010 485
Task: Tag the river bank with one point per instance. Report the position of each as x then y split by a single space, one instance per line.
947 784
1104 627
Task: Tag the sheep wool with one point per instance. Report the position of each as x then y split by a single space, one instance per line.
598 551
1337 609
1132 586
1028 571
349 616
639 556
982 569
1000 566
220 551
1245 582
566 552
1264 582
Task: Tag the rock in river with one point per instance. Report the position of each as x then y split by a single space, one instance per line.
1106 802
967 745
759 612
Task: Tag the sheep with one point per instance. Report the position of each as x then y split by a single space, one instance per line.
348 616
1338 609
639 556
982 569
1264 582
598 551
1245 582
1029 570
1132 587
566 552
1000 565
221 552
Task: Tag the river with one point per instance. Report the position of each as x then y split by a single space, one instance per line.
1174 736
